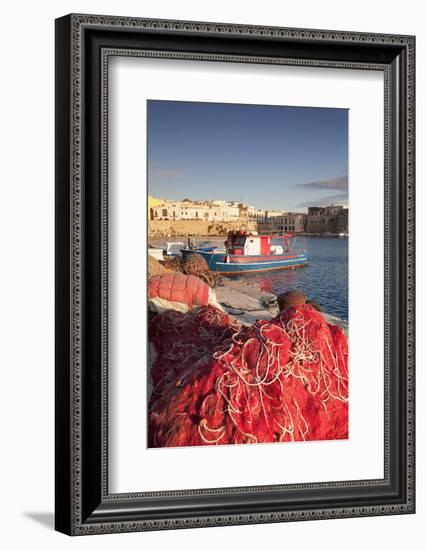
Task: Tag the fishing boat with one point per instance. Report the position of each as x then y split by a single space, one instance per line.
246 252
169 249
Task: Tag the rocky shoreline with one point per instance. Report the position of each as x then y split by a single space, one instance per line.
247 304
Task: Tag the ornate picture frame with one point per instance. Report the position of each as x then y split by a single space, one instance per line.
84 45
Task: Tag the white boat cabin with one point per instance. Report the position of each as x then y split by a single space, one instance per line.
241 243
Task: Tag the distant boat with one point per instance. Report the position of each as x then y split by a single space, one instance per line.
158 252
343 235
246 252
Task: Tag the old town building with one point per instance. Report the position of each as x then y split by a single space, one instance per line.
282 222
328 219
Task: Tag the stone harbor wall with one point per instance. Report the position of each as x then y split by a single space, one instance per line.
195 228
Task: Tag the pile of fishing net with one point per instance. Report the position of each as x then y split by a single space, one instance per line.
193 264
175 291
154 267
173 263
218 383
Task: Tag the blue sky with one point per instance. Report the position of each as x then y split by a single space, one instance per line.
271 157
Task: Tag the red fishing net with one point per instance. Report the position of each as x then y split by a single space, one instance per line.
176 287
217 383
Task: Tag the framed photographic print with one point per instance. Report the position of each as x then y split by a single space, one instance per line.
234 274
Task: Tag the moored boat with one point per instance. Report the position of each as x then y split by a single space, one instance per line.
245 252
160 252
156 252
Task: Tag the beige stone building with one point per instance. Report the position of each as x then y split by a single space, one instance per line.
328 219
256 214
282 222
215 211
272 214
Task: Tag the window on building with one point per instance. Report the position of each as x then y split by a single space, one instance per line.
164 213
